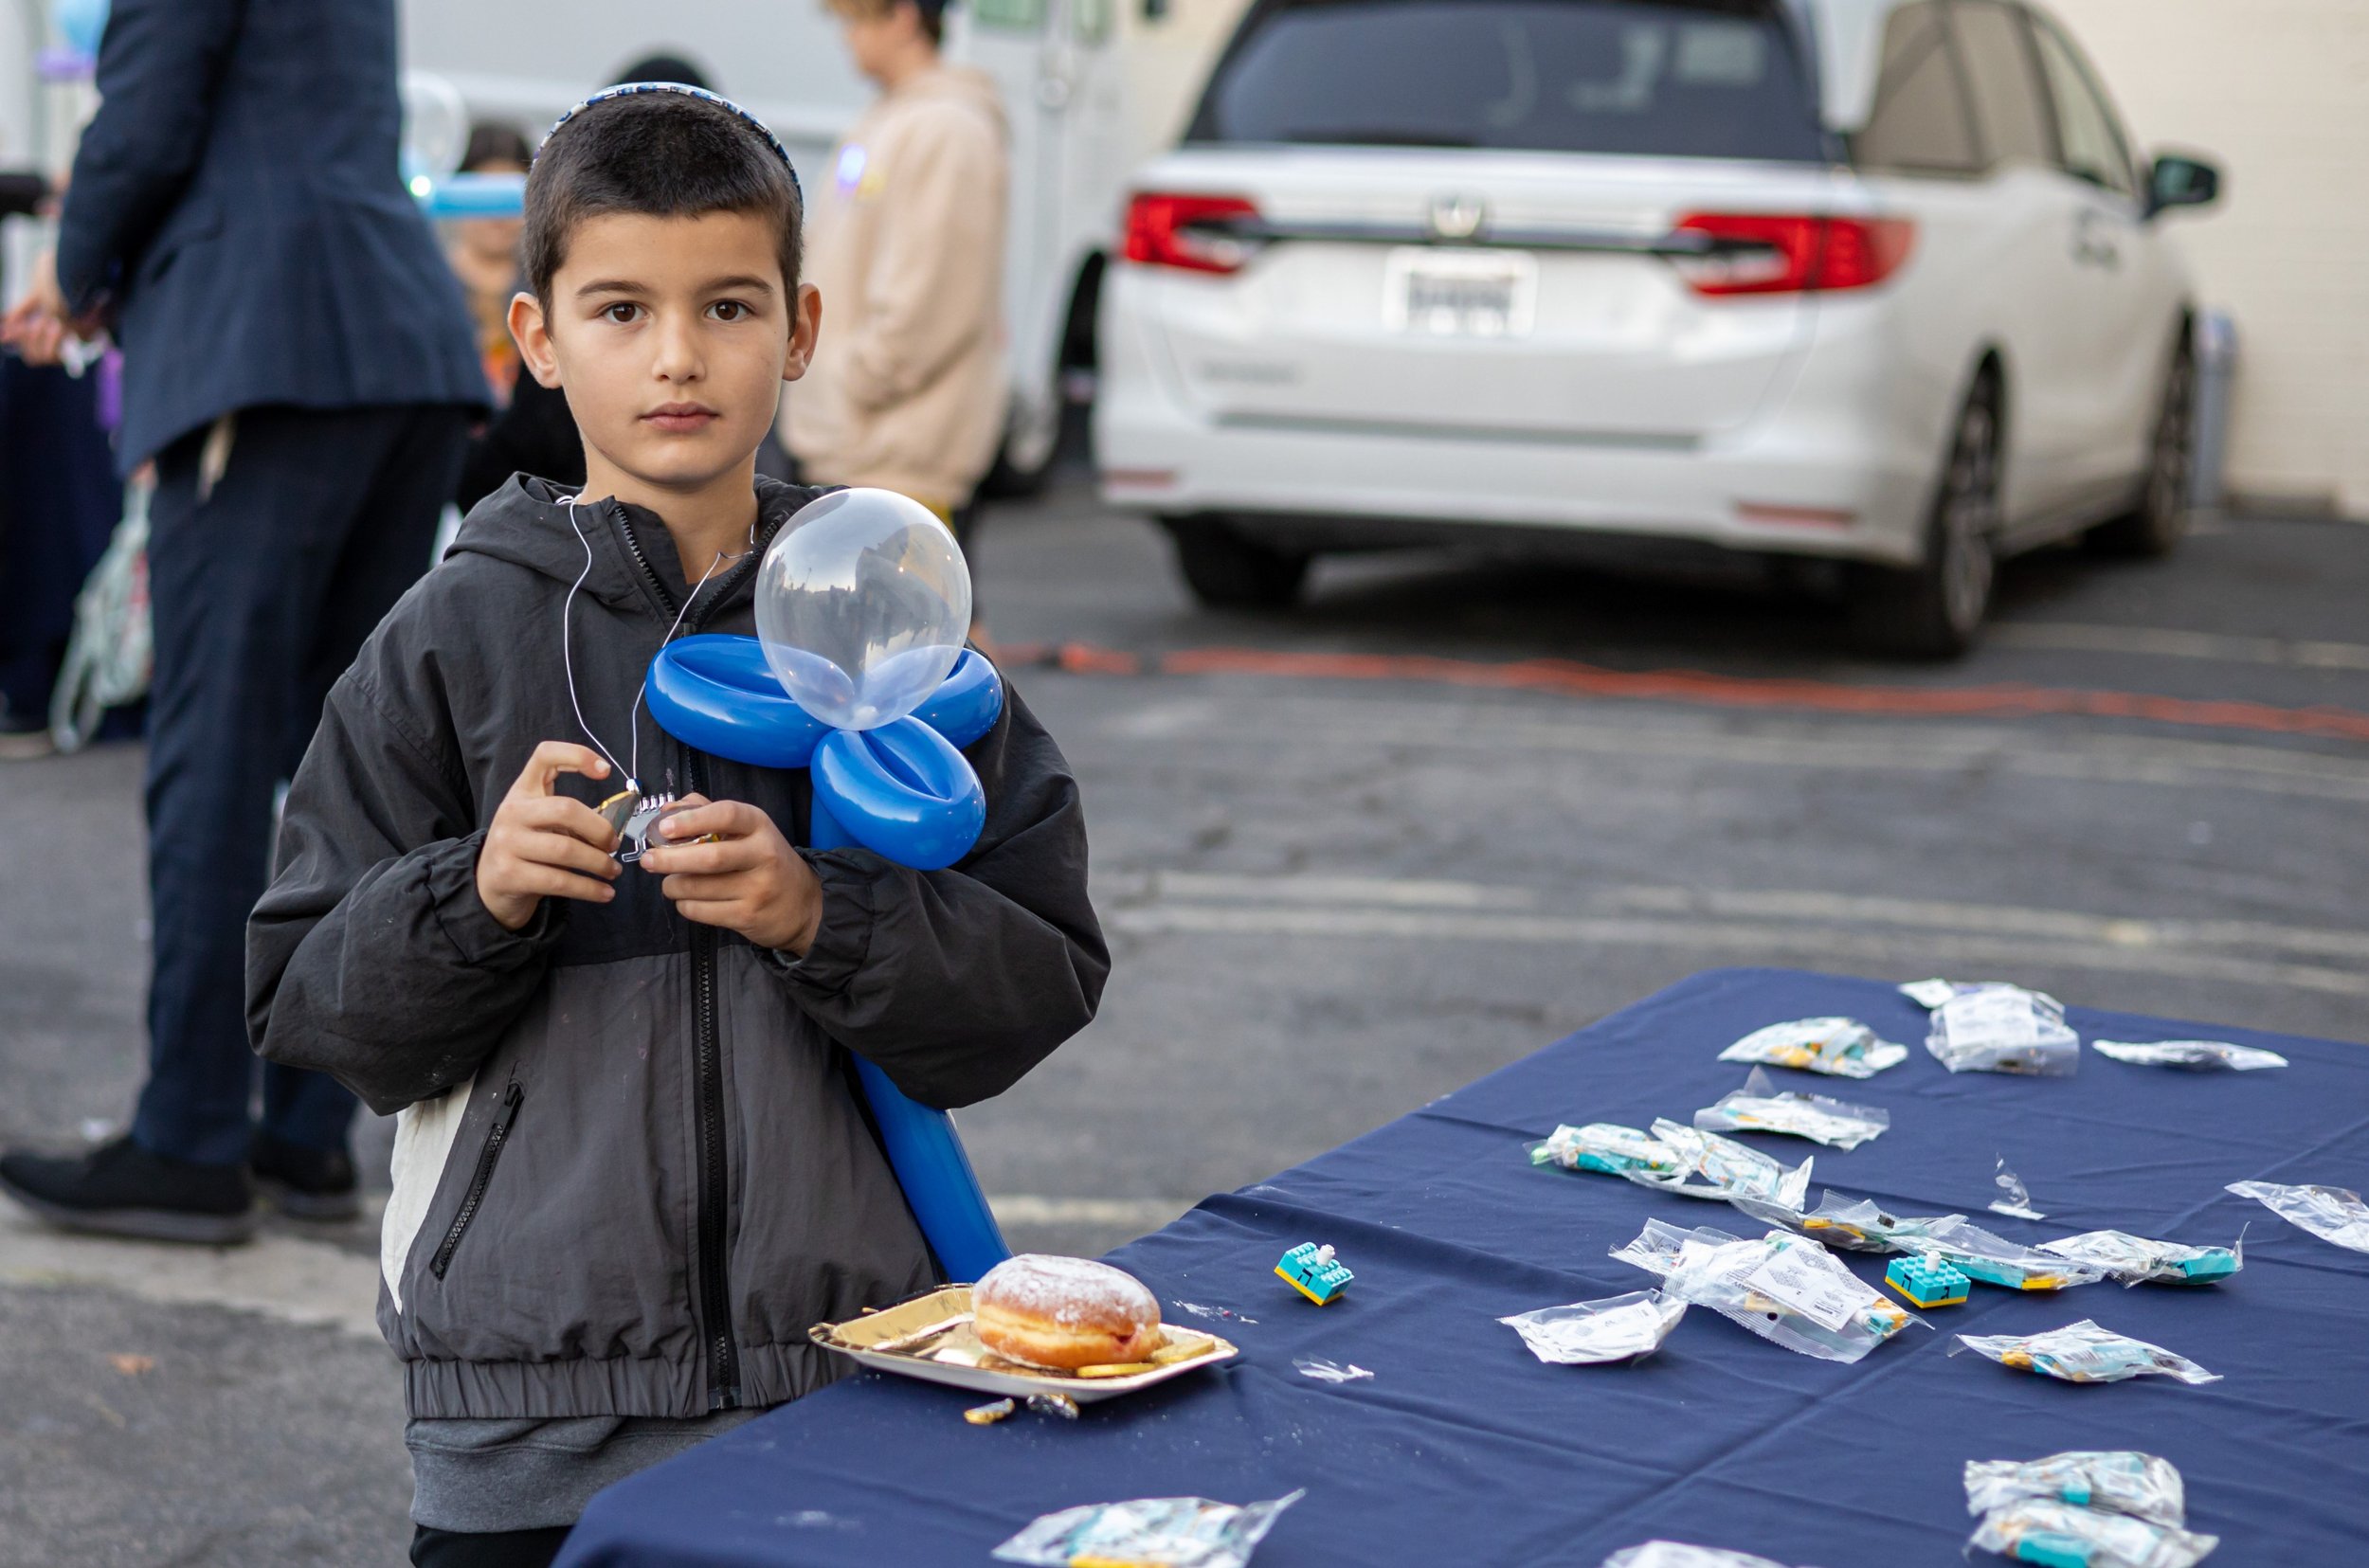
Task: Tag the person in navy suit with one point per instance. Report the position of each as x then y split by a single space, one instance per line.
299 363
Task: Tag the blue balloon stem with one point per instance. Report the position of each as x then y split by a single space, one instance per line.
923 1147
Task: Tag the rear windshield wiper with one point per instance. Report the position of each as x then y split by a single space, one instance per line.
1355 137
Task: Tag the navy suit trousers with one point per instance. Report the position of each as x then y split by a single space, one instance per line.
264 588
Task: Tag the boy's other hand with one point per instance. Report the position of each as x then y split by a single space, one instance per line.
542 845
748 879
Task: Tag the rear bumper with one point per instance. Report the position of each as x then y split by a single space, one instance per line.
1800 479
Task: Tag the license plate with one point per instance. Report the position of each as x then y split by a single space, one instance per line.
1459 293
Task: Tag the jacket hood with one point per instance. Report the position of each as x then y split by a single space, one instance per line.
529 522
965 85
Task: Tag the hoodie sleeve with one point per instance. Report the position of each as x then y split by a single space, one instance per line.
372 957
956 982
934 284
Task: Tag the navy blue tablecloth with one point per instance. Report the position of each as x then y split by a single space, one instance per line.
1464 1448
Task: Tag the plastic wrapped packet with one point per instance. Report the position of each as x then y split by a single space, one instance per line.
2004 1029
2132 1259
1841 1048
1677 1554
1759 1107
1712 1167
1929 994
1786 1288
1675 1157
1995 1260
1604 1146
2196 1056
2118 1481
1587 1333
2061 1536
2083 1353
1854 1224
1173 1532
2332 1214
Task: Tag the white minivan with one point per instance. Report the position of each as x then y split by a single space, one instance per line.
1880 281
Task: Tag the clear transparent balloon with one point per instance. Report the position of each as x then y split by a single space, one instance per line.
862 605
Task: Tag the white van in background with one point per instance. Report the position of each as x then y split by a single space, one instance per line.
1058 63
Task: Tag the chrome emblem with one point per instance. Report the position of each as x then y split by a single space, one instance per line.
1458 217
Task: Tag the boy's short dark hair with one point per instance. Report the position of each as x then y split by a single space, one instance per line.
662 155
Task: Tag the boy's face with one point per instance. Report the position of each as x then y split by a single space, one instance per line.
671 338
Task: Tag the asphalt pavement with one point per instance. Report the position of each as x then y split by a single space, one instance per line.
1351 856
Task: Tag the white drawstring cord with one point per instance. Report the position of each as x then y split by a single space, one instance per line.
633 715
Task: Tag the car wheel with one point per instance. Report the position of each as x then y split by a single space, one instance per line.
1227 571
1933 609
2156 526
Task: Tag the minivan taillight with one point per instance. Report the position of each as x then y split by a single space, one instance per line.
1779 253
1165 229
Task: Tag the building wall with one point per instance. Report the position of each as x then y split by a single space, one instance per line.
2276 91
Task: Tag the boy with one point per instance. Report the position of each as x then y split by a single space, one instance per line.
632 1169
909 393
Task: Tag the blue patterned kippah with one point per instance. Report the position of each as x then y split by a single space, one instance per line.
629 89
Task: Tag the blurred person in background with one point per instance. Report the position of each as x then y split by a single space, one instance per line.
529 430
59 503
908 389
485 254
298 360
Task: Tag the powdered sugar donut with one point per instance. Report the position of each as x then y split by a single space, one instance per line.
1064 1313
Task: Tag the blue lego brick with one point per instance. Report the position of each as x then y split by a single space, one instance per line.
1310 1270
1928 1281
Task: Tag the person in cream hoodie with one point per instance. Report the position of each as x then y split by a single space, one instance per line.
908 389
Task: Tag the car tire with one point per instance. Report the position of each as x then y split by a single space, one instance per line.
2156 526
1227 571
1933 609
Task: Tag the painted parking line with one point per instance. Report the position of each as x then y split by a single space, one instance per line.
1776 924
2171 642
1843 746
1700 688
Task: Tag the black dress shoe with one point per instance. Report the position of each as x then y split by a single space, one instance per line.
305 1183
122 1189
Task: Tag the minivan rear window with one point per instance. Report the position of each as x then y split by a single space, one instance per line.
1665 78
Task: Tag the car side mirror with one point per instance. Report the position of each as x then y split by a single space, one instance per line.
2181 182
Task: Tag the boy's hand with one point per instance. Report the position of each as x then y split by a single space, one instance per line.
543 845
748 880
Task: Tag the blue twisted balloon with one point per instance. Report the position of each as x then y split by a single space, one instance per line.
906 792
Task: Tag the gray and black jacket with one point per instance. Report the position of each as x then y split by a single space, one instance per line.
632 1168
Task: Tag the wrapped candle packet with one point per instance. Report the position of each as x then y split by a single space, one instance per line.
2133 1259
2004 1029
1995 1260
2117 1481
1586 1333
1172 1532
1929 994
1607 1147
2195 1055
1759 1107
1854 1224
2332 1214
1786 1288
1677 1554
1676 1159
2083 1353
2057 1534
1842 1047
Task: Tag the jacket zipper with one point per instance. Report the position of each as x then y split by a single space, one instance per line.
496 1136
714 1186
